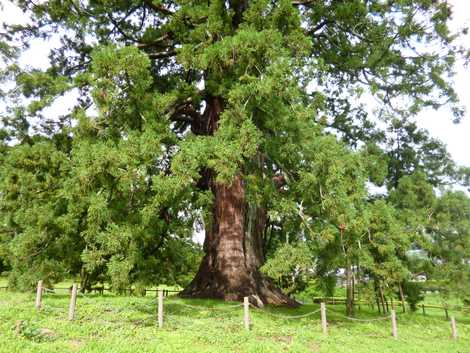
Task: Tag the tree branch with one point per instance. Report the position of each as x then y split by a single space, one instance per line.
156 43
117 24
158 8
184 112
317 27
162 54
302 2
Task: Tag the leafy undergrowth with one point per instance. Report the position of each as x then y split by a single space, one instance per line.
128 324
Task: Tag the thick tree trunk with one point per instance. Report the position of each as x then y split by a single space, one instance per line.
230 268
233 245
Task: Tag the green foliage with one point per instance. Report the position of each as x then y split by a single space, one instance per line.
450 229
30 331
311 290
33 208
175 96
411 150
289 266
327 285
433 285
387 244
413 293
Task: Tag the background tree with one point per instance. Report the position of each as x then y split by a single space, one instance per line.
34 213
450 244
411 150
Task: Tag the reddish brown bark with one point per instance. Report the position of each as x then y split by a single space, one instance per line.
233 244
230 268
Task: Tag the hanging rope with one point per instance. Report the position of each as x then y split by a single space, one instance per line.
363 320
285 317
198 307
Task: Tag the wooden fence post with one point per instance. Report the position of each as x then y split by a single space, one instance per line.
18 325
394 325
447 312
160 308
246 313
324 324
39 295
422 306
453 326
73 302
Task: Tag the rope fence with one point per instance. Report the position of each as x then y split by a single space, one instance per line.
363 320
284 317
423 307
200 307
245 306
101 290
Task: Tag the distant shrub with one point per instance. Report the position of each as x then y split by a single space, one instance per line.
413 292
432 285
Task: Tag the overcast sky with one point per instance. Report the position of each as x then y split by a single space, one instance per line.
439 123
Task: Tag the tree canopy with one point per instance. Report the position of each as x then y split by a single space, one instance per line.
242 119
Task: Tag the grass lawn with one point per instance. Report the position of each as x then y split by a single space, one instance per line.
109 323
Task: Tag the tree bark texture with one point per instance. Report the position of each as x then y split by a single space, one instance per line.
233 244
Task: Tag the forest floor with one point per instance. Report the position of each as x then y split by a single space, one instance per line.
108 324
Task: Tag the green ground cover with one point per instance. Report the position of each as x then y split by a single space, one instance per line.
121 324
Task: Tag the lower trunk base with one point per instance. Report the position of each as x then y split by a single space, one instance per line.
259 289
